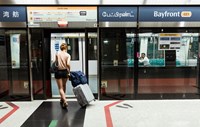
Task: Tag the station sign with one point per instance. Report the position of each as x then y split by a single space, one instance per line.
12 14
118 14
169 14
61 15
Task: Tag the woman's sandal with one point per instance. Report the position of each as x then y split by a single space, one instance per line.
61 101
64 105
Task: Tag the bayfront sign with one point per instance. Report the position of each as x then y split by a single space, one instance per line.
165 14
170 14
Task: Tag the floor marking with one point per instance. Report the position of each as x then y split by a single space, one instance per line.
121 106
107 113
53 123
124 106
15 107
3 107
128 105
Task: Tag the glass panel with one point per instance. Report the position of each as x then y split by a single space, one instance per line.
19 62
92 46
37 63
4 66
14 72
92 58
117 49
172 63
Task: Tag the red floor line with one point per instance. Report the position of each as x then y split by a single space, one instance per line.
15 107
109 122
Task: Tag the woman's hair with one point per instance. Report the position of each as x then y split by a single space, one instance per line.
63 46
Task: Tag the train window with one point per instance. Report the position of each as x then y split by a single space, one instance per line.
92 49
149 46
185 46
173 55
72 48
72 41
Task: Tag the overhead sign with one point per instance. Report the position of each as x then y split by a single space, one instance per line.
61 14
12 14
118 14
169 14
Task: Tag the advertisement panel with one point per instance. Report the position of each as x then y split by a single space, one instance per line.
15 50
169 41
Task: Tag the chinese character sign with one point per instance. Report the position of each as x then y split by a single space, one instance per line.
12 14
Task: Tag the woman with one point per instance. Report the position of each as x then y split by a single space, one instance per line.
62 75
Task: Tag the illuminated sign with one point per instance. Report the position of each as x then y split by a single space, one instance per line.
61 15
12 14
169 41
170 14
117 14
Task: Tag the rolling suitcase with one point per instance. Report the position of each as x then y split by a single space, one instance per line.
83 94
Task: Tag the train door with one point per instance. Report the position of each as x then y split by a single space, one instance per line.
79 60
39 57
75 49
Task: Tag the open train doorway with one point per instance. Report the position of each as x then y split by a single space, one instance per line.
80 59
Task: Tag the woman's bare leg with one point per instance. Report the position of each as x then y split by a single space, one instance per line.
64 82
61 89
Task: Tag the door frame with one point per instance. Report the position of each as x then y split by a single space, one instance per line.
85 60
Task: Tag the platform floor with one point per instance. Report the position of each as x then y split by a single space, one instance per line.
123 113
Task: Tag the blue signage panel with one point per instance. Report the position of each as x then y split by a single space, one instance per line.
12 14
118 14
169 14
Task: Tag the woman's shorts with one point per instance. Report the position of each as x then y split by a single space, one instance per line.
61 74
